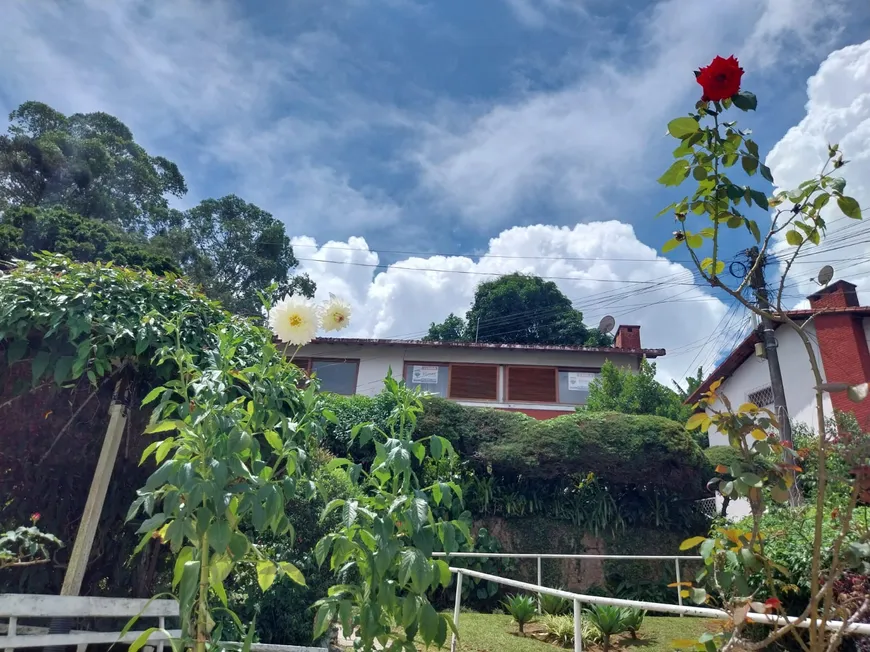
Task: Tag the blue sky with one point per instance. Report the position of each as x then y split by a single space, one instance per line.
433 127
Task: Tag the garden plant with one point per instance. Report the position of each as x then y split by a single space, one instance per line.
738 575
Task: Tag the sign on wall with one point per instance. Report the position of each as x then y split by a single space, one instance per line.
578 381
424 374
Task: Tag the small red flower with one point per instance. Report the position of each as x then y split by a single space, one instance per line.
35 516
772 603
721 79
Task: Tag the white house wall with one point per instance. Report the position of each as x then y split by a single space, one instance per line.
798 381
375 360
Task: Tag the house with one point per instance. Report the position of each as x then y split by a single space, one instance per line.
540 380
838 333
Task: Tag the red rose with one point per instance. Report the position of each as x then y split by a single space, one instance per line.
721 79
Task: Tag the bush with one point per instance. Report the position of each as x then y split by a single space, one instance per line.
560 630
522 609
617 448
608 620
553 604
284 614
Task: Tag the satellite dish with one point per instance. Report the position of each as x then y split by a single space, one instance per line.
826 273
606 324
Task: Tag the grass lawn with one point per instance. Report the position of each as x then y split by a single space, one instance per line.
494 633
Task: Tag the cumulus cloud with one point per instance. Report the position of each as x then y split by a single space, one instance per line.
563 144
601 266
837 111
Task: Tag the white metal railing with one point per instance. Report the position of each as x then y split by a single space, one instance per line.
579 600
539 556
14 606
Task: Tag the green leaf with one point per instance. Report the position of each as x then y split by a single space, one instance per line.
345 615
436 446
249 637
274 440
694 240
136 645
849 206
184 556
414 566
670 245
153 394
325 614
163 426
759 198
765 172
428 623
409 610
349 512
682 127
266 573
292 572
793 238
751 479
699 172
699 596
745 101
675 174
752 225
219 534
750 164
329 415
188 587
39 365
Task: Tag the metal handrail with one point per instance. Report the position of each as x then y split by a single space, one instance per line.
540 556
579 599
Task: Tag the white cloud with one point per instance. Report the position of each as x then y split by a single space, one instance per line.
571 144
640 288
837 111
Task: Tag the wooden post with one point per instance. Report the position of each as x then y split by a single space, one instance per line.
78 561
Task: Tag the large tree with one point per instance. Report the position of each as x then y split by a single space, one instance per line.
235 249
88 163
520 309
25 230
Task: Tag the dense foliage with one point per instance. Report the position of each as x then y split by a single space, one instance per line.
623 390
519 309
25 231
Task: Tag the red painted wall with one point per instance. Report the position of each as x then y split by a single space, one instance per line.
846 359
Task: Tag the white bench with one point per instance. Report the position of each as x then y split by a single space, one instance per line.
14 606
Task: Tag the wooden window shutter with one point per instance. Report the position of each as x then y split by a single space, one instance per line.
474 382
536 384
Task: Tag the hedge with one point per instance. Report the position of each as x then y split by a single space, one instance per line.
639 450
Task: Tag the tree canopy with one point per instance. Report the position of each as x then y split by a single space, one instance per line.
622 390
237 249
27 230
81 185
519 309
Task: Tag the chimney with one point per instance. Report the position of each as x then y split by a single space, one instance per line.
841 294
627 337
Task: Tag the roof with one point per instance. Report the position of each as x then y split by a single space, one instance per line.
649 353
747 347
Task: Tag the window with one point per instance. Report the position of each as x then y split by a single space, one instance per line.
336 376
534 384
762 397
574 386
476 382
431 378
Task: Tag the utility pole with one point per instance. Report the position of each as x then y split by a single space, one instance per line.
768 338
